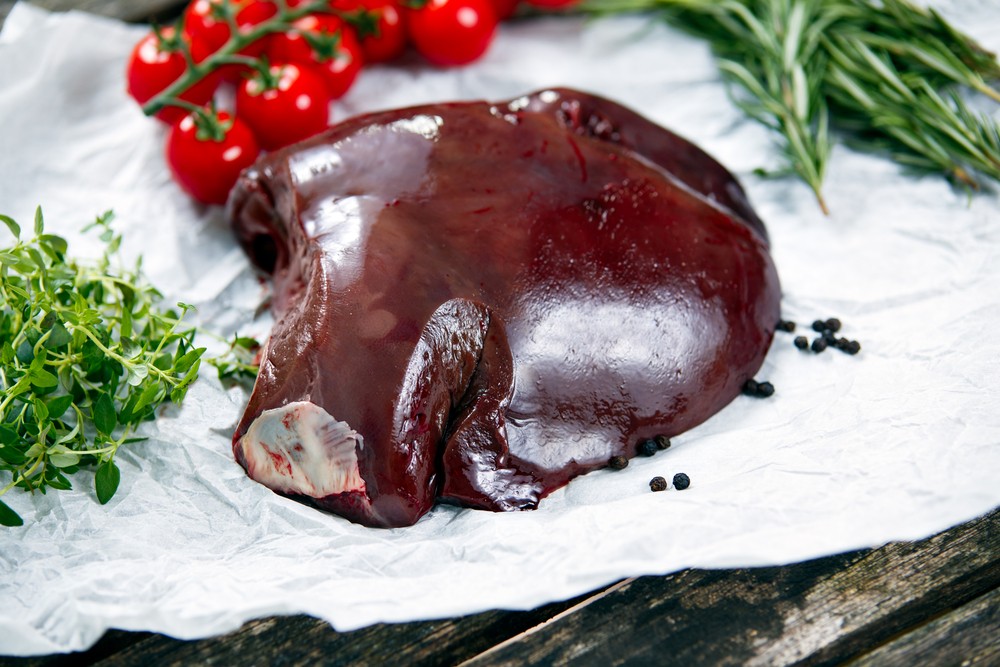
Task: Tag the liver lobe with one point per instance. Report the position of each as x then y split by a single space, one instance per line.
495 298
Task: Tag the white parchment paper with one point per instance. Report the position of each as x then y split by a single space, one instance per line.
897 443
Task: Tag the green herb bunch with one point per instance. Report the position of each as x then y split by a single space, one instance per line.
239 364
86 355
885 73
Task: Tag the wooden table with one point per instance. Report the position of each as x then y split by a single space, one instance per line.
926 603
935 602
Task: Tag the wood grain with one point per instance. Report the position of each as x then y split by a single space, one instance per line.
301 640
888 604
818 613
970 635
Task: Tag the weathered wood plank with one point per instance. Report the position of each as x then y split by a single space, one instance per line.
110 644
817 613
820 612
127 10
301 640
970 635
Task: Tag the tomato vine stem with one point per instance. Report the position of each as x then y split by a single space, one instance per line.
238 40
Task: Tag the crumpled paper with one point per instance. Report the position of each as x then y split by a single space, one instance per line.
897 443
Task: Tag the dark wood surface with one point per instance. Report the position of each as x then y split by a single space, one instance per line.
933 602
127 10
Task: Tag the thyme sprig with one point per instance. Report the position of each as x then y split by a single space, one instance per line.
87 355
364 22
887 74
240 362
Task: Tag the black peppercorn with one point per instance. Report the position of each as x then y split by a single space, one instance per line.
786 325
617 462
647 447
662 441
827 330
681 481
758 389
658 484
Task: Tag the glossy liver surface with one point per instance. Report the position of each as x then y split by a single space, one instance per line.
477 302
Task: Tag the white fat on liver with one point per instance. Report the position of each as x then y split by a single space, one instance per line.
300 448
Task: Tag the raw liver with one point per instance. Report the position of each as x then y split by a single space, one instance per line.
476 302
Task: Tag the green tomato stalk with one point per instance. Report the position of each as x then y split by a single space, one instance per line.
364 22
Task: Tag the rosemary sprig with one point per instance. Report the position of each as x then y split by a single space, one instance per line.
887 74
904 114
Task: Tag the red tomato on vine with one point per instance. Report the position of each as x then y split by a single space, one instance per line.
204 22
326 44
205 26
452 32
389 42
156 62
504 9
206 153
283 105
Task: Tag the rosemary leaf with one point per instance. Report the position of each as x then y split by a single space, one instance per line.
888 75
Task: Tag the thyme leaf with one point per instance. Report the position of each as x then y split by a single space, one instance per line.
87 353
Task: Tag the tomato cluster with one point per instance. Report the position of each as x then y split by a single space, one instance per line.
286 67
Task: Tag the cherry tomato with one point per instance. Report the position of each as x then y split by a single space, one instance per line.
452 32
204 27
202 23
504 9
390 40
206 168
336 54
155 63
287 105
